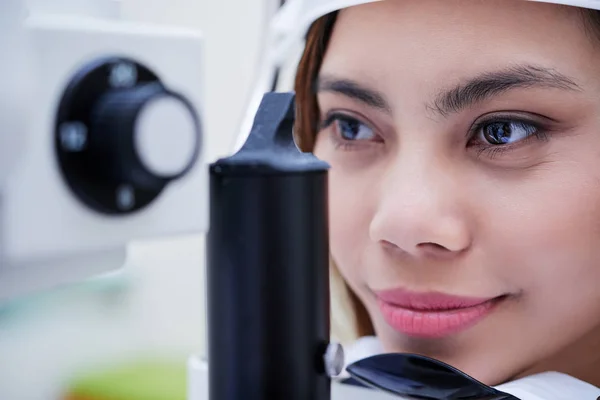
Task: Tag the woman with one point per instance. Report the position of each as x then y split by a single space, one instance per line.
464 141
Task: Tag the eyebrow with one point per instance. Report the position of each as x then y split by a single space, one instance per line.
463 95
353 90
489 84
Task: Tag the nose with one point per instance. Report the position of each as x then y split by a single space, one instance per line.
421 212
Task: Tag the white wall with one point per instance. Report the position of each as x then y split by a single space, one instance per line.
156 304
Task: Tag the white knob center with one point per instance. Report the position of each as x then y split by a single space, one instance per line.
165 136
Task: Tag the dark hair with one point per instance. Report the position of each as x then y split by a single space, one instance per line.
307 116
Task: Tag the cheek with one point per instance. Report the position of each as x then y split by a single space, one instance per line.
350 215
352 203
553 211
542 236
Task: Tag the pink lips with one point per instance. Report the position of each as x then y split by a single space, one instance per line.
432 315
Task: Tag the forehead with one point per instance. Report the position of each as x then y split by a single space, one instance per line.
438 40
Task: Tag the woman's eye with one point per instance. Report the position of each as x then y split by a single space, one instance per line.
505 132
350 133
352 129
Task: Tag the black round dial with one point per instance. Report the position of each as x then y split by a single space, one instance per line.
122 136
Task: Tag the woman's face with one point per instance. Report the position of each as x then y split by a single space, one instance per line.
464 140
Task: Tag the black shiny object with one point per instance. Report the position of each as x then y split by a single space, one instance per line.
417 377
267 267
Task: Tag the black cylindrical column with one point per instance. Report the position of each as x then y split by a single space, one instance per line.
267 277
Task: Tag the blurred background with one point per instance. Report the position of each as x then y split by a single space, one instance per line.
138 326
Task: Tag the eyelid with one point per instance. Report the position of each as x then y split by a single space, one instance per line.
515 115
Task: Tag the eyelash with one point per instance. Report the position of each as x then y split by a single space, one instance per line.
538 132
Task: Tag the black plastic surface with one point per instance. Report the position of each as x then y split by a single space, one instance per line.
267 275
270 147
421 378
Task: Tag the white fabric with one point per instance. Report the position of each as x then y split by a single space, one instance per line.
545 386
550 386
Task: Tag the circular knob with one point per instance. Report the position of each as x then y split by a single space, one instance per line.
145 136
166 136
121 136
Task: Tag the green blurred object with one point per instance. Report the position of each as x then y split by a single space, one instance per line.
142 380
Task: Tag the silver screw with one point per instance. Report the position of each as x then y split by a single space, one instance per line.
334 359
125 197
123 75
73 136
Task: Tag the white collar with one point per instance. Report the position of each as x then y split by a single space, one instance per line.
550 386
544 386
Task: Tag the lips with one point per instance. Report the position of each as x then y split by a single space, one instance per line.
432 315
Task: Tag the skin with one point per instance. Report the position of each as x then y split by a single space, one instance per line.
421 200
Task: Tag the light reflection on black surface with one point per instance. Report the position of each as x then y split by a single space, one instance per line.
421 378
